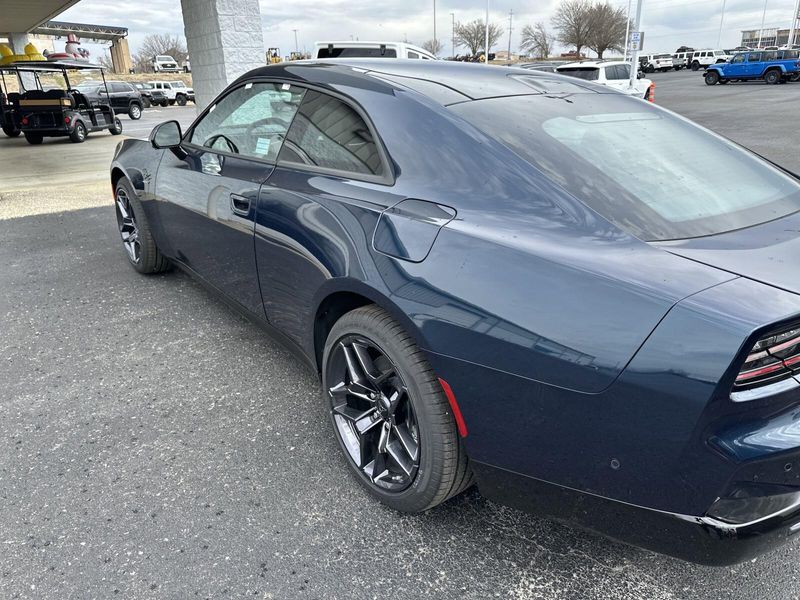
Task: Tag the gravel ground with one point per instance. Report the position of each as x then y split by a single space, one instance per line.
155 445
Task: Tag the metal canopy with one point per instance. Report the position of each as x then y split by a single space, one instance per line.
82 30
20 16
51 65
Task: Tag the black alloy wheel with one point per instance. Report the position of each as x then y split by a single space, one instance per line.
128 229
180 100
390 414
695 66
712 78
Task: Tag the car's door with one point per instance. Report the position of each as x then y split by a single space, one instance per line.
119 93
753 65
322 201
210 189
736 68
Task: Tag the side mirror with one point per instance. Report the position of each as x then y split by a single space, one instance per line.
166 135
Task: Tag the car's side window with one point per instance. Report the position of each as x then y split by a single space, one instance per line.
412 54
739 58
252 120
328 133
755 57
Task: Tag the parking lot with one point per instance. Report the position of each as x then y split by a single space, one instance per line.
153 444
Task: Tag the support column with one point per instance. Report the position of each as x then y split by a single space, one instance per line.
224 39
18 42
121 56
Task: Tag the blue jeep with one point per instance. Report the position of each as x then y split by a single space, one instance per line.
773 66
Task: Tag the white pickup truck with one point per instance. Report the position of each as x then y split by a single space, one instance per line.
165 64
176 92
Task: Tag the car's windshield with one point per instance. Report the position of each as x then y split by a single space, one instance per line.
588 73
663 56
719 53
178 84
164 58
637 165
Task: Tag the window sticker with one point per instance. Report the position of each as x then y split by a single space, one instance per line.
262 146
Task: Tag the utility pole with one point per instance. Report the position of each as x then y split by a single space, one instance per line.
627 30
295 40
635 54
453 32
763 18
510 28
721 21
435 45
486 39
793 28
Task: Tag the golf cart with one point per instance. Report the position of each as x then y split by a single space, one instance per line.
43 109
8 120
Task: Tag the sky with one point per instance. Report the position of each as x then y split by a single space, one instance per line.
667 23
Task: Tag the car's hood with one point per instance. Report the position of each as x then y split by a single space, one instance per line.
769 253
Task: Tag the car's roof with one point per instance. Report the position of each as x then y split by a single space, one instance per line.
444 81
592 63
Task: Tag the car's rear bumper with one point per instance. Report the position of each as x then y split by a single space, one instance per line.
699 539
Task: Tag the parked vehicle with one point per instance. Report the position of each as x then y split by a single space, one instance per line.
680 60
545 67
123 97
614 74
164 64
151 96
704 58
650 63
59 112
176 92
8 116
351 49
557 312
187 65
773 66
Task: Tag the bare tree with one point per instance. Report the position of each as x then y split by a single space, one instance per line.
473 35
573 22
433 46
607 28
537 40
156 44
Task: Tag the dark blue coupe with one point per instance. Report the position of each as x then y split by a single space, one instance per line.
509 278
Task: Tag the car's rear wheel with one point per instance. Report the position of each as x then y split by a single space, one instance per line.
772 76
11 131
34 138
390 414
165 103
146 102
712 78
116 129
78 134
135 112
137 238
695 66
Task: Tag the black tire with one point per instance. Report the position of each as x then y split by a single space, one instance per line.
116 129
146 102
11 131
649 69
794 77
34 138
78 135
164 103
772 76
135 111
712 78
149 258
443 469
695 66
180 100
171 102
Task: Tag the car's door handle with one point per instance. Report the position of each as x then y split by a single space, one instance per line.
240 205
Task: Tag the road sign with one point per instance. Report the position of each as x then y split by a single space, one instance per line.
636 41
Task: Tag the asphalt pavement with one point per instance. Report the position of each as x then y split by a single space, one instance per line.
154 444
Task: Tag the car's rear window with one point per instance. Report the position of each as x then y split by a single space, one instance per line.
587 73
638 165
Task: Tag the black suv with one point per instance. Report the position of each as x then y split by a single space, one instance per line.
122 96
151 96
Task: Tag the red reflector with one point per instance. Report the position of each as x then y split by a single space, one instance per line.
462 426
67 120
24 120
745 375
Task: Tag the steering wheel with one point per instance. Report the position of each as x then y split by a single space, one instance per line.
268 121
209 143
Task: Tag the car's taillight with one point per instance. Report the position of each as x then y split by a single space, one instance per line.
772 358
651 92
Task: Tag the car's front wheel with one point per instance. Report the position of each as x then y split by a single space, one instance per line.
135 112
146 102
712 78
180 100
134 229
695 66
390 413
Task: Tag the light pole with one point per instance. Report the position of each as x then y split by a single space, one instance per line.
721 21
627 31
763 18
793 28
435 46
295 40
635 53
453 32
510 28
486 39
